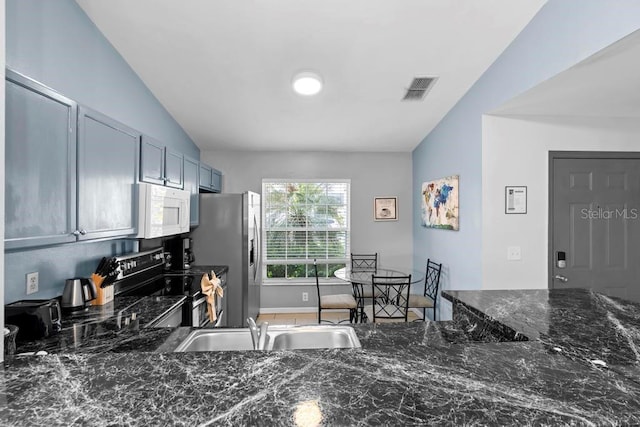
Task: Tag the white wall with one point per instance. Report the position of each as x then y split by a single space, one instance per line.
371 174
515 151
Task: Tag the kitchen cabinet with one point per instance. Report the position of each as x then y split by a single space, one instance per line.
70 171
210 179
40 164
159 164
107 171
174 168
192 184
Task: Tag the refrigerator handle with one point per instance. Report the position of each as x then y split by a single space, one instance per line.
256 249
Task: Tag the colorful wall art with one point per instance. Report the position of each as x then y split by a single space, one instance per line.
440 203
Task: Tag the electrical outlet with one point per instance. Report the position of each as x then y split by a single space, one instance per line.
305 296
32 283
514 253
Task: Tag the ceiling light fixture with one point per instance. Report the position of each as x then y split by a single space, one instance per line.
307 83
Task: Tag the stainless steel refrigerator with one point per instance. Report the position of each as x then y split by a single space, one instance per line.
229 234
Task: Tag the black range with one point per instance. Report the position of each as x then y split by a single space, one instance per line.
144 274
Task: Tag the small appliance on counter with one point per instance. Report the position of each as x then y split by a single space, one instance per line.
78 294
180 251
10 332
34 318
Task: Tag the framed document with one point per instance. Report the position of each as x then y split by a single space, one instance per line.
515 200
385 208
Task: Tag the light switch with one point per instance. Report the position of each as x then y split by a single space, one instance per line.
513 253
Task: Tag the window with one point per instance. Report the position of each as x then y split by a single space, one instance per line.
303 221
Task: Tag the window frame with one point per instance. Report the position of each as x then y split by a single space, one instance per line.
307 260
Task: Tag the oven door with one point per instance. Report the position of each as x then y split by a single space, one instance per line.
200 314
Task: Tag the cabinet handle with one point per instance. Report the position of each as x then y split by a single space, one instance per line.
83 232
76 233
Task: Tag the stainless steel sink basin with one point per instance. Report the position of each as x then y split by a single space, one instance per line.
278 338
315 337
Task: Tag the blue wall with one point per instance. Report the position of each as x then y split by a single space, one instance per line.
563 33
55 43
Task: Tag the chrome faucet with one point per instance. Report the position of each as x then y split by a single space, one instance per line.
258 337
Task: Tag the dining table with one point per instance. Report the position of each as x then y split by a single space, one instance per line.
359 279
364 277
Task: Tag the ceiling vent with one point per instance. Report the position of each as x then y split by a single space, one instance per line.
419 88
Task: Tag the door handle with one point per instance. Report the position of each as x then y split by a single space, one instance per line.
562 278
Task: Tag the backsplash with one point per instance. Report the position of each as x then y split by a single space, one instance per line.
55 264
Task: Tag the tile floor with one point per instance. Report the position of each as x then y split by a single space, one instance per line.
309 318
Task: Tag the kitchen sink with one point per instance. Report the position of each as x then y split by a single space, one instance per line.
278 338
315 337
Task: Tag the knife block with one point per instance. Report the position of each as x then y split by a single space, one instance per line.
104 295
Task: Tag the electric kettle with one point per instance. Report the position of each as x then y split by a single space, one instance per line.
78 293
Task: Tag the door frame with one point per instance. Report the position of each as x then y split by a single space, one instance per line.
572 155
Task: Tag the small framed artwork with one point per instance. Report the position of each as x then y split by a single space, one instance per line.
385 208
515 200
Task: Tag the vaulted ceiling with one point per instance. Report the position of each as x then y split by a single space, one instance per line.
604 85
223 69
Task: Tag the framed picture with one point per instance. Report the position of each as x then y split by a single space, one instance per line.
440 203
385 208
515 200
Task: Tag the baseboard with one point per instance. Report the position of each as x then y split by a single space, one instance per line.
276 310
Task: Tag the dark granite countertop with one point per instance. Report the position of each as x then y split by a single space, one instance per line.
109 328
433 373
581 324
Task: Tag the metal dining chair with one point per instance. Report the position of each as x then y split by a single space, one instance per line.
390 299
363 263
429 298
335 302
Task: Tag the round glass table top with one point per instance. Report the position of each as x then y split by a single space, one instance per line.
365 276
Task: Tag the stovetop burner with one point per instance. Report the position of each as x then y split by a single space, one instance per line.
172 282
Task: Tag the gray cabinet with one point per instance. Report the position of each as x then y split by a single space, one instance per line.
70 172
107 171
192 184
40 164
160 165
210 179
216 181
151 161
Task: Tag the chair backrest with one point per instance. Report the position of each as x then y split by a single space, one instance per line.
432 280
315 268
364 262
390 297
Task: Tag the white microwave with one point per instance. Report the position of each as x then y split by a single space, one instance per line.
162 211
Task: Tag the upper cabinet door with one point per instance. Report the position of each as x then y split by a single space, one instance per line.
107 171
205 177
152 161
173 168
216 181
191 184
40 159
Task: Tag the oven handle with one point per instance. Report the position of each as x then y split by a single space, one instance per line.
198 302
219 320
